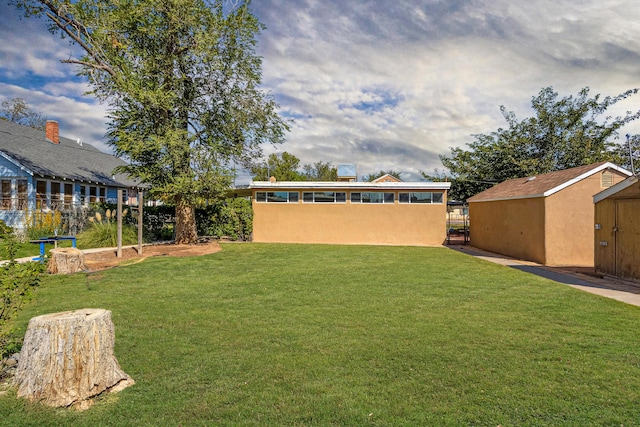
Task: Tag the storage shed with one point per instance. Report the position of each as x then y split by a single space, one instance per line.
617 229
546 219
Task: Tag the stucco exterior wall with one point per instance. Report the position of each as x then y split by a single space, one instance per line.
569 217
350 223
509 227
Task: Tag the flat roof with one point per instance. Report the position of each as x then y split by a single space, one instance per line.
343 185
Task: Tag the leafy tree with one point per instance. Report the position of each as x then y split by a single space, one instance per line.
563 133
629 153
282 166
320 171
181 78
376 175
18 111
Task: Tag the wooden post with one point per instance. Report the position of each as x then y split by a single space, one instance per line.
67 358
119 251
140 204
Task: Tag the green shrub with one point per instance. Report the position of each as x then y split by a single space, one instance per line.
103 231
231 218
16 284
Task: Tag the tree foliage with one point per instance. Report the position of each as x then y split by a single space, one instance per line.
320 171
17 110
564 132
286 167
282 166
182 80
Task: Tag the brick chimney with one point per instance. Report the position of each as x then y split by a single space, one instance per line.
51 131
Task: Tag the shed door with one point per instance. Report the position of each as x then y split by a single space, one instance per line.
628 238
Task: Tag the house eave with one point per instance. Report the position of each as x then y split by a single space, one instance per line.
17 163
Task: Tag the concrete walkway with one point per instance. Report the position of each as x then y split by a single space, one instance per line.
584 279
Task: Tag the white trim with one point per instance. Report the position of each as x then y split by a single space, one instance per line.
603 166
615 189
338 185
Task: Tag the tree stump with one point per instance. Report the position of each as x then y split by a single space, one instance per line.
67 358
66 261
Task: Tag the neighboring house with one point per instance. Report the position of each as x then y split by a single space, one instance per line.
42 171
547 218
349 212
617 229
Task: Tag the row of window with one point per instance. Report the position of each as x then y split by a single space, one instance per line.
60 195
341 197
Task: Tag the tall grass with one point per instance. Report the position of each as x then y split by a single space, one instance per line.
339 335
102 231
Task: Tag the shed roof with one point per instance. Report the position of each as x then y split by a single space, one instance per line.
615 189
29 149
542 185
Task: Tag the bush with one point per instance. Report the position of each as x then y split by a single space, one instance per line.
17 282
40 223
232 218
103 231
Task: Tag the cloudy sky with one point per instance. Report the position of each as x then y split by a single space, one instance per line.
378 83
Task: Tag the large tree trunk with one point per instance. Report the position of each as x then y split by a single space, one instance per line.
67 358
186 231
66 261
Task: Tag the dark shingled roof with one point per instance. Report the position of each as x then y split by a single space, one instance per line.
541 185
69 160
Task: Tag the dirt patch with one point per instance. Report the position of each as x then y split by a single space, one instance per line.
101 260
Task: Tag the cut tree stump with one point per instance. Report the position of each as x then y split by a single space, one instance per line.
66 261
67 358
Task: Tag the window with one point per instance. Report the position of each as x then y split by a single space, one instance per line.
420 197
22 193
55 196
41 194
83 195
372 197
277 196
68 195
103 195
93 195
324 197
5 202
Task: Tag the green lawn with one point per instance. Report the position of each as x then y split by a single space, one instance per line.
349 335
27 249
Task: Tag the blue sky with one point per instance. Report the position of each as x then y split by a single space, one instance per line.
379 84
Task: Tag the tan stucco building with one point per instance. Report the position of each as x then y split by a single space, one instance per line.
390 212
547 218
617 229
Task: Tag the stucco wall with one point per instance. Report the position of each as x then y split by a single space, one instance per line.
570 223
556 230
347 223
510 227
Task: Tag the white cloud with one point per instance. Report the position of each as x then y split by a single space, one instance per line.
384 85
